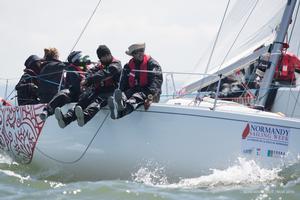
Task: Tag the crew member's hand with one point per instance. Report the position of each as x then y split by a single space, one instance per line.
148 101
83 83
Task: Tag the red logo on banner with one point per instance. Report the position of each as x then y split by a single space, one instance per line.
246 132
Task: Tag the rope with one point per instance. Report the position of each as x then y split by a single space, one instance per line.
84 28
45 80
83 153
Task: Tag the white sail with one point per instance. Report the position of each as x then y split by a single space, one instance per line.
249 25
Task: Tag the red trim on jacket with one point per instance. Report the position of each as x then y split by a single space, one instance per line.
79 70
143 75
108 82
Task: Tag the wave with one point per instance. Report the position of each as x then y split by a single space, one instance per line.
244 172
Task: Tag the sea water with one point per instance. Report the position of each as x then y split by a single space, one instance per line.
243 180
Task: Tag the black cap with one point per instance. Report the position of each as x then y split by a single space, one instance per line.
103 50
31 60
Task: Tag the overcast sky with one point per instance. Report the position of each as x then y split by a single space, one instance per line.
176 32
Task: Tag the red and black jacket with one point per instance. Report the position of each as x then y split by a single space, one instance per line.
105 78
143 80
75 74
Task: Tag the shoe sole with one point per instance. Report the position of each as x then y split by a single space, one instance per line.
43 117
118 99
79 115
59 117
111 105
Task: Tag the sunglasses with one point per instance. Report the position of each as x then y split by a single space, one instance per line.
138 51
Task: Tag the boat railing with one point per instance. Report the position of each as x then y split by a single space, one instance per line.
169 76
172 87
172 83
175 93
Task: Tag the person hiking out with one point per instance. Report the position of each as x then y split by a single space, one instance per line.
75 73
27 87
140 83
50 76
100 83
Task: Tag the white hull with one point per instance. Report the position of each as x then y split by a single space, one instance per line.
185 141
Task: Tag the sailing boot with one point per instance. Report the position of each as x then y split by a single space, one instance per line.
127 110
64 119
79 115
43 115
59 100
85 116
47 111
59 117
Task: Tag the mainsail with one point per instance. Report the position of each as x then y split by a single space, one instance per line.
247 33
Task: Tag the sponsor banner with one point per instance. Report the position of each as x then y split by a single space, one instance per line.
20 128
265 140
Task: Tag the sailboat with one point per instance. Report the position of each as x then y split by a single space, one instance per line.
184 136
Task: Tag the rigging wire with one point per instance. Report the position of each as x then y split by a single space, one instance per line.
289 40
238 35
236 38
217 37
294 23
76 42
296 102
298 48
215 41
86 25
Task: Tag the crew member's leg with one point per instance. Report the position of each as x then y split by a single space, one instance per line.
85 115
84 100
127 106
59 100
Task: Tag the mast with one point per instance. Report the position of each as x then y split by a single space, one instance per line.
276 52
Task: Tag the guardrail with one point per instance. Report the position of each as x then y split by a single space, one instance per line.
172 87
